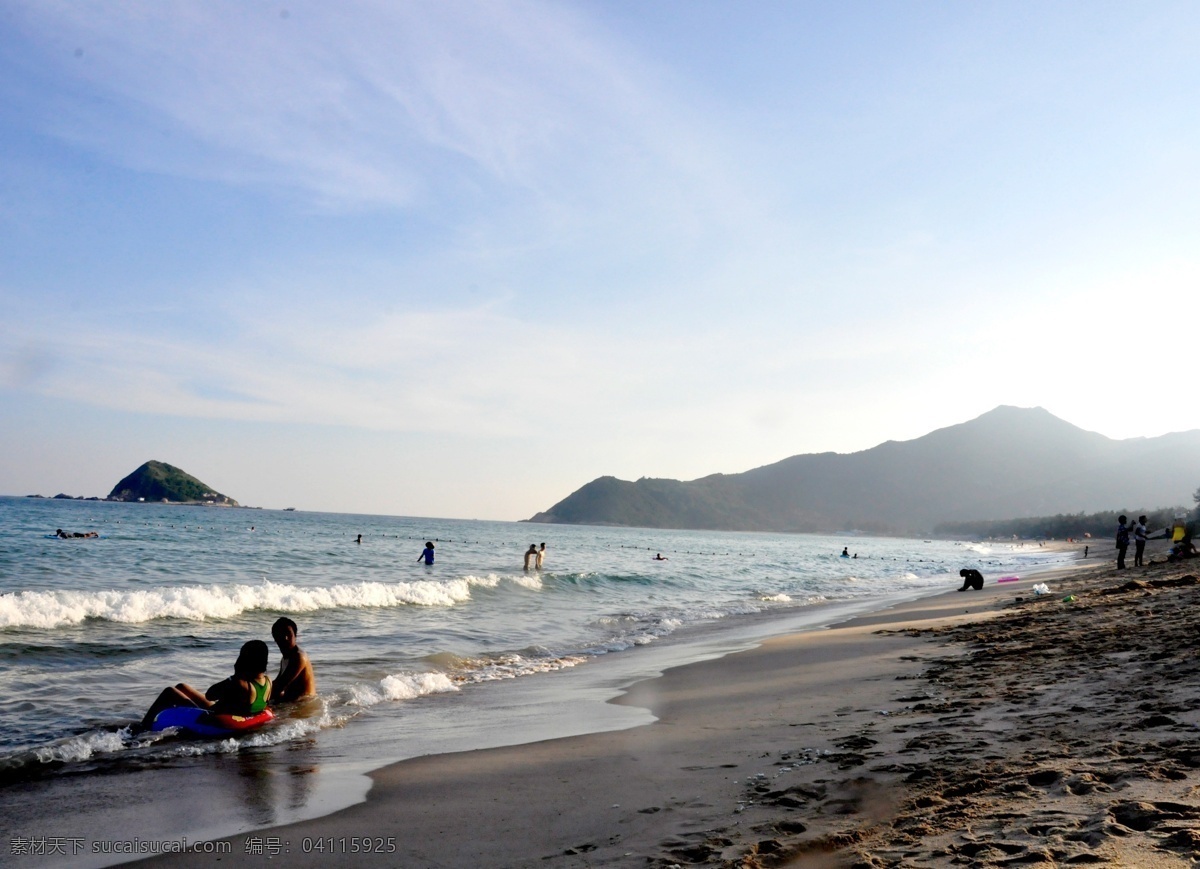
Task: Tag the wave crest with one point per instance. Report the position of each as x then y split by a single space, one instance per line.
50 609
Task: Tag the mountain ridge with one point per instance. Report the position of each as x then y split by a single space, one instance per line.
1005 463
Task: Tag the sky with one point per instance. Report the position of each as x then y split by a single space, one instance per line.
458 259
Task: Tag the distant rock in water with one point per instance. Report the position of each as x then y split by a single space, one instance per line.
158 481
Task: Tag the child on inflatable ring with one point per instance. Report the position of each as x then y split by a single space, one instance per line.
244 693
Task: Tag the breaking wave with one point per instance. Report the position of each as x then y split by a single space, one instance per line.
51 609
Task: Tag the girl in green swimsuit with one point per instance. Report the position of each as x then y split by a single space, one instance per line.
244 693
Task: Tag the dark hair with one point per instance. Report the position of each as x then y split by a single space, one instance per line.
284 622
252 660
428 545
1121 519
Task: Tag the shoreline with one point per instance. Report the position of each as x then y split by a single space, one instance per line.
723 775
210 790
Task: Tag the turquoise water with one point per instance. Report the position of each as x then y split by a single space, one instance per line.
91 630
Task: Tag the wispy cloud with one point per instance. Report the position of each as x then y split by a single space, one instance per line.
359 104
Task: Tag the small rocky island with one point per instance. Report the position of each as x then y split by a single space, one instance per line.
158 481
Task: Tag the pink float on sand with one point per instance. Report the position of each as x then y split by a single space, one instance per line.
1008 579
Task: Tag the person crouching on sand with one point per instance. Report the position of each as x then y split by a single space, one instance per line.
972 578
243 693
295 680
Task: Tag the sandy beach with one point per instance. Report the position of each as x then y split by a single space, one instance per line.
980 728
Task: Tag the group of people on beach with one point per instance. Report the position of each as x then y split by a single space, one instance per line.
249 690
1181 549
1139 539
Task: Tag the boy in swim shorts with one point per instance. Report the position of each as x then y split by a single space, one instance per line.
295 680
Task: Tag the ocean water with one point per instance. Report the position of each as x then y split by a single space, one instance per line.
409 658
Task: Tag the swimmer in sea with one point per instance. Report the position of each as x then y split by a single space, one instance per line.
427 553
658 556
295 680
541 556
243 693
845 552
530 555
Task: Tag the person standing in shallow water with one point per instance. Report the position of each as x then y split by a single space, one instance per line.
531 555
1122 541
427 554
541 556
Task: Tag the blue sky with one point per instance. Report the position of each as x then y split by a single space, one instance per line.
457 259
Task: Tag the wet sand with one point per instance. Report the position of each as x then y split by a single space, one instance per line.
984 728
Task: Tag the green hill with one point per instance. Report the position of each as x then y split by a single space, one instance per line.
158 481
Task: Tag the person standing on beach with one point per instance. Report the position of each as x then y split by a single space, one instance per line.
1122 541
531 555
541 556
1139 541
427 554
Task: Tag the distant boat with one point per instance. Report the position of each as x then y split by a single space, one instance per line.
289 509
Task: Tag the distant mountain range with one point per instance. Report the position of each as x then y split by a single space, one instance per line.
1008 463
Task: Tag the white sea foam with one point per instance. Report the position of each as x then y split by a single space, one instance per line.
198 748
489 581
512 666
776 598
404 686
49 609
83 747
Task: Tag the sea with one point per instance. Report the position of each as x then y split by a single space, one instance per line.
411 659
